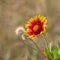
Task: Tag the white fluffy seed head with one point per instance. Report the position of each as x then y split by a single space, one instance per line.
17 31
20 31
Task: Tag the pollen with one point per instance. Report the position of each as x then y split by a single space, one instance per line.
35 28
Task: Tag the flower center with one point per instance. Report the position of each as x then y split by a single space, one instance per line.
35 28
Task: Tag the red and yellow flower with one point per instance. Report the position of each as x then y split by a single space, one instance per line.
35 26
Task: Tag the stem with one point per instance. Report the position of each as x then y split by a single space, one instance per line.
46 43
27 44
40 53
30 53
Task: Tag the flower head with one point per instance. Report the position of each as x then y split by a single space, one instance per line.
35 26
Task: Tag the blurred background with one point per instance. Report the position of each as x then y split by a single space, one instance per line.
15 13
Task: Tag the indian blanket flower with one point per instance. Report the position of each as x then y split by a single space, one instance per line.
35 26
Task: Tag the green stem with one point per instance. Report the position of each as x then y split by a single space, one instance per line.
46 43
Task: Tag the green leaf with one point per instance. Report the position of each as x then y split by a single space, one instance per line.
47 51
59 51
54 53
58 58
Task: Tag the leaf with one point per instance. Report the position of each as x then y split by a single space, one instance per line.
58 58
54 53
47 51
59 51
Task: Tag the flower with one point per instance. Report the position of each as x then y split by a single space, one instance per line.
35 26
